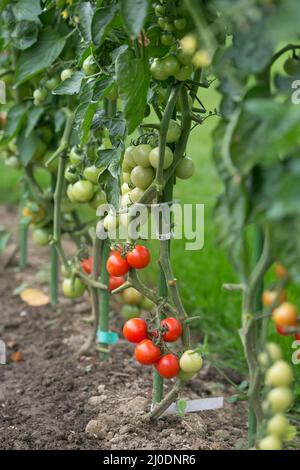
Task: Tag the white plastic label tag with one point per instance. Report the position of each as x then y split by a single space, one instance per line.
201 404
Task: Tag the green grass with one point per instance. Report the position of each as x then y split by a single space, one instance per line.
200 273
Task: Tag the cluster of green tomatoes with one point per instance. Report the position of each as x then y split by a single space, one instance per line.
279 398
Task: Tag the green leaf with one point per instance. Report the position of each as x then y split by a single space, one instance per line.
134 13
4 238
71 86
133 78
33 117
27 10
233 399
25 34
85 12
28 145
40 56
101 22
111 159
15 119
181 407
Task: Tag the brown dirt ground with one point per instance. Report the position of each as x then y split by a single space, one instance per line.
45 400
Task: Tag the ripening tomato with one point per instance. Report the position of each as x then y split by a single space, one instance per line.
280 270
115 282
35 215
274 351
279 374
270 443
139 257
190 361
87 265
132 296
172 328
297 336
135 330
278 425
117 265
147 304
280 399
282 331
285 315
141 177
168 366
269 297
146 352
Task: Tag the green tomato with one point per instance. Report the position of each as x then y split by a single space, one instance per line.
185 168
12 146
154 157
141 155
184 59
158 70
125 200
136 194
75 156
39 151
111 222
46 134
278 425
280 399
65 271
89 66
65 74
40 94
91 173
184 73
142 177
40 236
128 156
71 174
168 26
83 191
147 304
126 178
12 162
180 23
162 22
190 361
125 189
185 376
170 65
270 443
52 83
130 311
174 132
98 200
113 94
126 168
73 290
167 39
160 10
70 193
280 374
291 66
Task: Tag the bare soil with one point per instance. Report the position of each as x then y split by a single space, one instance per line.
51 400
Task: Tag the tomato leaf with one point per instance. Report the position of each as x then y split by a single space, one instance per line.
71 86
27 10
134 13
15 120
181 408
25 34
101 22
39 56
85 12
133 78
34 115
27 145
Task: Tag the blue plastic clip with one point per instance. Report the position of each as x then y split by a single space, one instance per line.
107 337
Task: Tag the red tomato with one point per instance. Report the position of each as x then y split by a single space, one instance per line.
135 330
139 257
115 282
146 352
281 331
173 329
297 336
168 366
117 265
87 265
